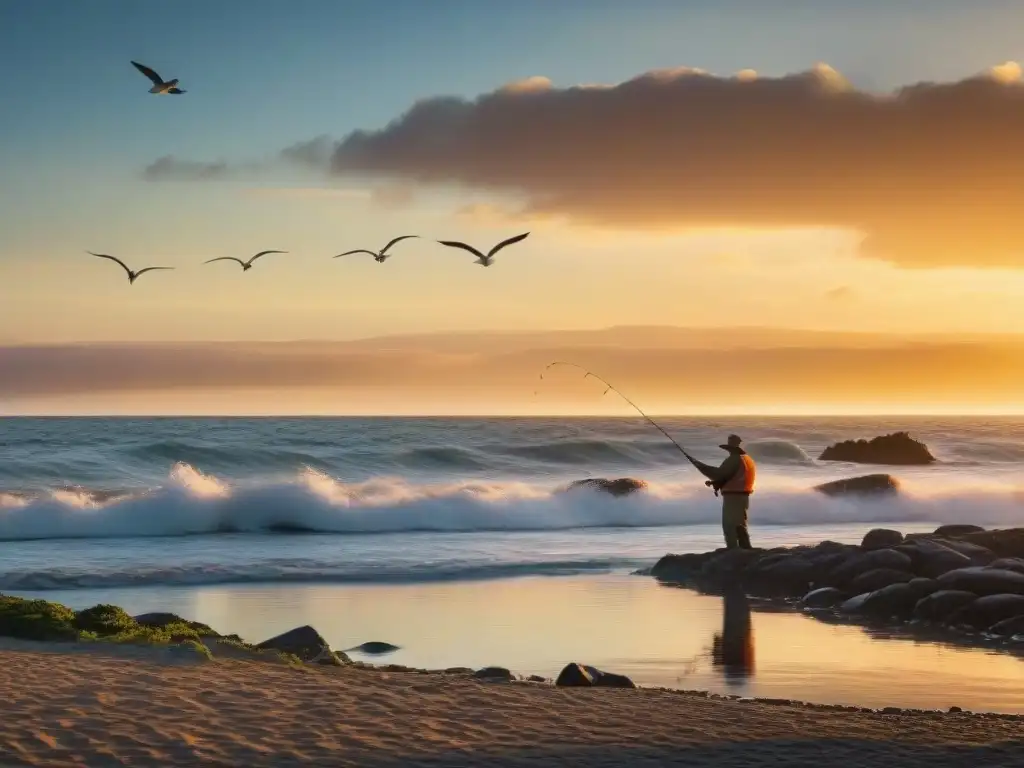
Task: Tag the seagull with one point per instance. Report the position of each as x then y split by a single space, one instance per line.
246 265
381 256
132 276
159 86
481 258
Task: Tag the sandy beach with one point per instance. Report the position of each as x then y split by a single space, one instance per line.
79 705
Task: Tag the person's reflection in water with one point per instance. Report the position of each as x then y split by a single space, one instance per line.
733 648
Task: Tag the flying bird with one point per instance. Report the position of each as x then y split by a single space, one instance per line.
488 259
159 85
379 256
246 265
132 276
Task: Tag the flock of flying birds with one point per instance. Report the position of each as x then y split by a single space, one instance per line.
170 87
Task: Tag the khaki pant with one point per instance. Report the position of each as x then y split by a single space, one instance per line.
734 520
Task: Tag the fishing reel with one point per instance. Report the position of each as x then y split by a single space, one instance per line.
711 484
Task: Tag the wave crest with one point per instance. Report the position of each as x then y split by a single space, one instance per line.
195 503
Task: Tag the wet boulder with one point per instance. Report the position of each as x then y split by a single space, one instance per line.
984 581
825 597
977 554
931 559
897 600
583 676
862 562
881 538
938 606
620 486
957 529
1008 564
781 577
988 610
898 448
864 485
1007 542
1008 627
679 569
494 674
305 643
877 578
855 604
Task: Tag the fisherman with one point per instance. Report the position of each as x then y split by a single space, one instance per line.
734 479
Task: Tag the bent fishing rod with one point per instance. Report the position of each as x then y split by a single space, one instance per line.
637 408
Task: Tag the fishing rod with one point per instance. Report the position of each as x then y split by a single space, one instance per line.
637 408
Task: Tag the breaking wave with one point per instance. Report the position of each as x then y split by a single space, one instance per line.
193 503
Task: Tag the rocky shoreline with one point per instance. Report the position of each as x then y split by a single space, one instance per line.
959 582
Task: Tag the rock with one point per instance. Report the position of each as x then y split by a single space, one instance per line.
898 448
931 559
983 581
780 577
537 679
897 600
877 578
36 619
937 606
864 485
1008 627
1007 542
621 486
978 555
881 538
494 674
161 620
954 710
1008 564
957 529
863 562
988 610
678 569
825 597
373 648
582 676
855 604
306 643
104 620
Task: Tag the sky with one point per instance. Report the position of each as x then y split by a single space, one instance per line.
789 184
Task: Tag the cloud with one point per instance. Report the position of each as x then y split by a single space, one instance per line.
171 168
655 365
929 173
840 293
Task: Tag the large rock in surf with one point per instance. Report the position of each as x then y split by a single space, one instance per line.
306 643
938 606
620 486
898 448
984 581
881 538
957 529
583 676
988 610
864 485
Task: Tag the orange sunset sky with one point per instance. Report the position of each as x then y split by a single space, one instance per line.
720 221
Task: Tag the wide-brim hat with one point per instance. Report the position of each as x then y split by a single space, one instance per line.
733 441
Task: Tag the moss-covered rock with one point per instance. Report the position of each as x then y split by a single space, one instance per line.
162 620
105 620
36 619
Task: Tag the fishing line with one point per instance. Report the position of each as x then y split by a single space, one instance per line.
637 408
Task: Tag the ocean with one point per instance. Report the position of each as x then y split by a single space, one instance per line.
299 518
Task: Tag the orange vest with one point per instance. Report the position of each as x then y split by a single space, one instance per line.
743 480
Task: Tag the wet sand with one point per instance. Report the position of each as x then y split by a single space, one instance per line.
83 705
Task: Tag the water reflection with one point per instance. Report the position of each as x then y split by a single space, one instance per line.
732 649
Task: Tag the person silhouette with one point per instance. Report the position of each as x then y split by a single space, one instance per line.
732 649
